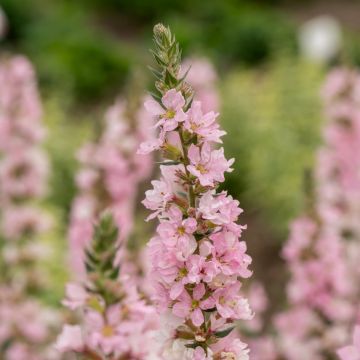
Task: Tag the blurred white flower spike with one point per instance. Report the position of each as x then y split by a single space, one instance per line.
320 39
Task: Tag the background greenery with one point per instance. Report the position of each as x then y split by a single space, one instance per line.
85 50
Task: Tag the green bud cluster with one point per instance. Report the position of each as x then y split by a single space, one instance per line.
167 54
100 265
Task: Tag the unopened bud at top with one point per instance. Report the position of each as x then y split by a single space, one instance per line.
160 30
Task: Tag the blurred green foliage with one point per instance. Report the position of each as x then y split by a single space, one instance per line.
63 141
85 48
272 119
233 31
64 138
71 55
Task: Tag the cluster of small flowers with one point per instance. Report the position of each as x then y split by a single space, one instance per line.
23 176
202 77
109 177
26 327
323 250
197 257
115 322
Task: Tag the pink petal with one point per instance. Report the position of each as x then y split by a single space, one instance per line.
197 317
207 304
199 354
190 225
181 309
147 147
170 125
176 290
173 100
206 152
153 107
199 291
348 353
180 116
194 154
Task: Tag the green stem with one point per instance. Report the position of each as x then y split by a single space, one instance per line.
191 194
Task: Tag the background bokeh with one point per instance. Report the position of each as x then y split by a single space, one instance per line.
269 75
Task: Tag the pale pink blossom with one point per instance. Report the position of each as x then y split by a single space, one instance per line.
233 348
204 126
192 306
220 209
208 165
171 113
351 352
157 198
230 254
231 305
178 233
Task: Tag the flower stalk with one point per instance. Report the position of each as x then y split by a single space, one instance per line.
197 257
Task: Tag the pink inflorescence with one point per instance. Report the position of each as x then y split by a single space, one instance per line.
197 256
322 252
109 177
25 324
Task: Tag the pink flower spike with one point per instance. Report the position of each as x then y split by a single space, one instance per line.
197 256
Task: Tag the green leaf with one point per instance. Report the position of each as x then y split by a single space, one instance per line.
224 333
158 75
156 97
169 163
170 79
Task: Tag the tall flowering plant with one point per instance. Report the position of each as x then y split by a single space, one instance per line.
115 322
323 248
26 325
197 257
